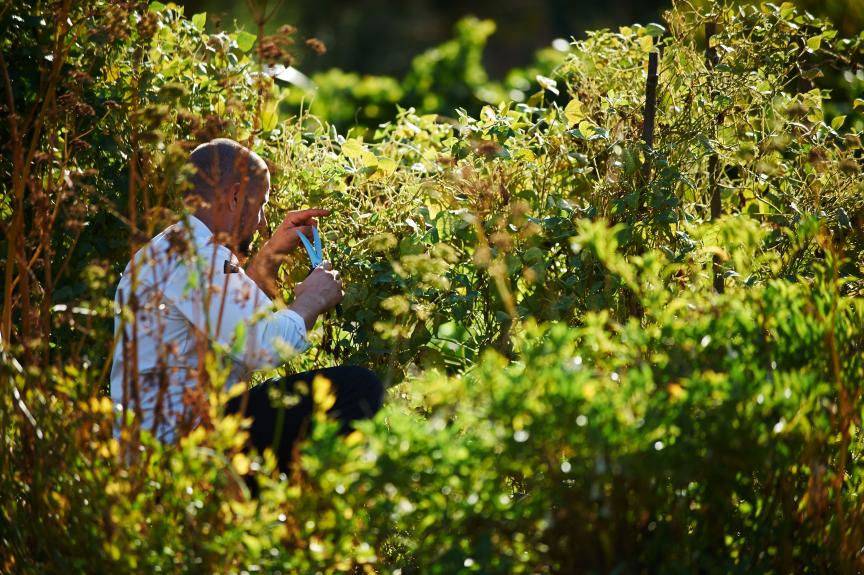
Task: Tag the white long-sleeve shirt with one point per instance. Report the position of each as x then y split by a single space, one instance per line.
191 294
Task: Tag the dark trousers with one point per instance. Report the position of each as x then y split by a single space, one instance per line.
280 422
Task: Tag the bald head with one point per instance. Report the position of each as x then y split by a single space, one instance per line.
234 184
221 163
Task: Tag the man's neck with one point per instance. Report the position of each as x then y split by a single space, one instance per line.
207 219
220 233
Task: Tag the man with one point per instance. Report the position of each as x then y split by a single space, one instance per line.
185 295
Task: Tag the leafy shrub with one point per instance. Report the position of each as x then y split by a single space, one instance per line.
592 370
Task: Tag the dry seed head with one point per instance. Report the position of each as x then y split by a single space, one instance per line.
850 167
817 158
116 24
79 145
501 240
80 77
177 242
147 25
189 120
271 52
488 148
519 209
316 46
482 255
214 127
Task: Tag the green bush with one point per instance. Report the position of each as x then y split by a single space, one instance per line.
591 370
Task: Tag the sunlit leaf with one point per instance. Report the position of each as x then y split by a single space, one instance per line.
547 84
654 30
245 40
814 43
574 112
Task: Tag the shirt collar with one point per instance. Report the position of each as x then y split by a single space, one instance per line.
199 229
203 237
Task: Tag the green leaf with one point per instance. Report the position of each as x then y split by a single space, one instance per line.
812 74
245 40
654 29
837 122
198 20
253 544
858 103
814 43
787 9
156 7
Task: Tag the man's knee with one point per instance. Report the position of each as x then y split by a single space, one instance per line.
358 386
368 386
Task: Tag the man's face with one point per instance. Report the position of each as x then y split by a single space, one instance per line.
252 218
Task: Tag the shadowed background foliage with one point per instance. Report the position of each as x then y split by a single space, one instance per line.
382 36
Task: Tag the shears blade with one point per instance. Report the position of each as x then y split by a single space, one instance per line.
316 253
318 249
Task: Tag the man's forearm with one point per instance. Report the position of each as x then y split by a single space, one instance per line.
306 310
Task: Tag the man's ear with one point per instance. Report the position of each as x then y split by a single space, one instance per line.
234 196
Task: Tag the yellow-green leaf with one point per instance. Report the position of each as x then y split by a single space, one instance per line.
837 122
245 40
815 42
386 166
241 463
574 112
586 128
526 154
352 148
646 43
270 115
199 20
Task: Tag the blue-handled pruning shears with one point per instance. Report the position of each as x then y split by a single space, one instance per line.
316 254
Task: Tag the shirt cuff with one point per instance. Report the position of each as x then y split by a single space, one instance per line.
301 328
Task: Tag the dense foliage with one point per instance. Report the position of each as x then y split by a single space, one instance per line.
613 344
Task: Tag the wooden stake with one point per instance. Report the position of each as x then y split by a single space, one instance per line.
711 60
650 114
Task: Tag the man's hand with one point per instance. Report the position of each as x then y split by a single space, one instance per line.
265 264
318 293
284 239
